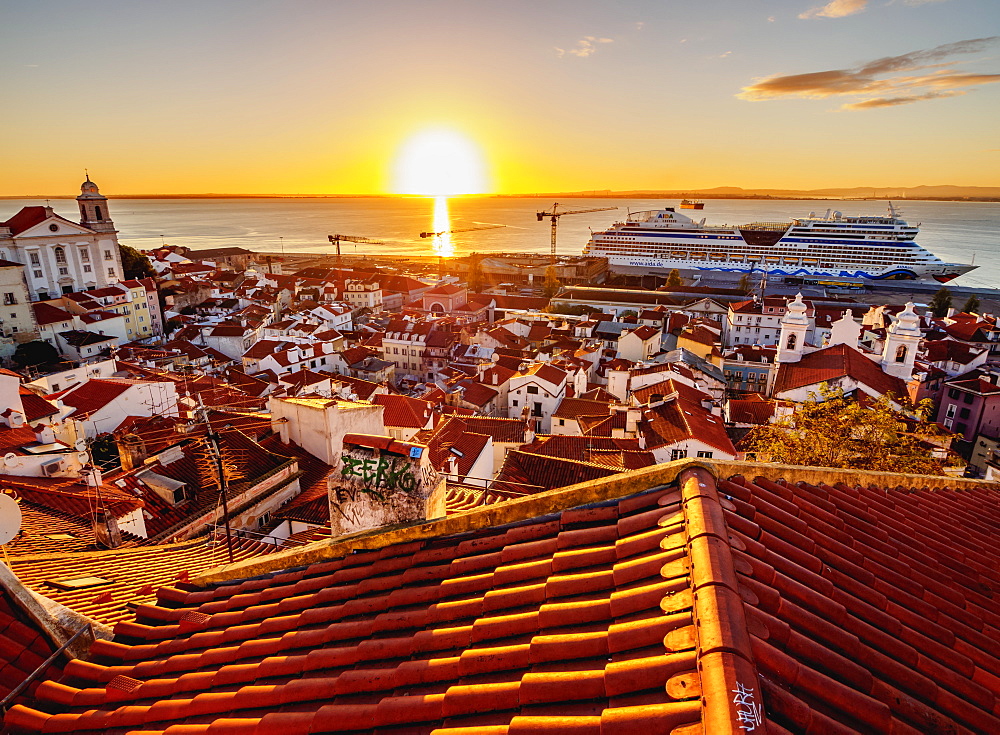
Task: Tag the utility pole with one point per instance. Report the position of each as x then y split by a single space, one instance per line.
213 443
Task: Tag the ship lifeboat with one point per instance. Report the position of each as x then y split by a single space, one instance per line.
699 255
809 261
772 259
679 254
718 256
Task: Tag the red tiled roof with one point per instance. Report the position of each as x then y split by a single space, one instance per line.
693 606
679 420
403 411
528 473
836 362
509 431
35 407
754 409
25 647
944 350
27 218
570 408
46 314
478 394
977 385
93 395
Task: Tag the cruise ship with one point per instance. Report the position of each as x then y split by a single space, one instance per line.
827 246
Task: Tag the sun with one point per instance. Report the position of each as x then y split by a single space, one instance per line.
440 162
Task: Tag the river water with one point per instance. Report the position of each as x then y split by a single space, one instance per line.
955 231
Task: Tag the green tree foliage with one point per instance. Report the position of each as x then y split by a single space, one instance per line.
941 302
551 285
674 279
972 305
830 430
628 312
134 263
38 352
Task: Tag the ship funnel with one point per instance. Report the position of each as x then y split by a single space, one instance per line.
827 216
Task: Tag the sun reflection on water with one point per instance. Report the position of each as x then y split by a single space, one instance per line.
443 246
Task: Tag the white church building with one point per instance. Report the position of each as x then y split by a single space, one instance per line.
59 255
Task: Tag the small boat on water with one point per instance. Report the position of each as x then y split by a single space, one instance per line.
692 204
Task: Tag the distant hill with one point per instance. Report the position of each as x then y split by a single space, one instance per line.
944 191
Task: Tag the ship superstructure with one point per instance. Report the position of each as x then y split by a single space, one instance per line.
830 245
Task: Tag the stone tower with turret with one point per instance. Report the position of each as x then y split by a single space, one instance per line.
94 213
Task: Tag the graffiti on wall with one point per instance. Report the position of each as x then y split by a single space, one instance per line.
381 473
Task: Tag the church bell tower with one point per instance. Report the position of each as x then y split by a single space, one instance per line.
94 208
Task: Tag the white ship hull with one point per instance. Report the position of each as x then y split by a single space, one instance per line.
828 246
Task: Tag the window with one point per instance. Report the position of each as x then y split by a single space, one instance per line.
35 260
38 274
537 411
86 269
9 298
705 455
792 338
964 413
954 393
514 402
60 255
967 398
562 422
947 424
960 428
533 390
111 272
901 353
678 454
97 212
107 255
84 255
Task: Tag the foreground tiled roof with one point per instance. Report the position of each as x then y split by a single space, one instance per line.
23 647
661 601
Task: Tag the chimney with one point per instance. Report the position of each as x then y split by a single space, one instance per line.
529 431
632 417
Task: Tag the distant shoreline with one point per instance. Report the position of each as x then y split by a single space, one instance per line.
556 195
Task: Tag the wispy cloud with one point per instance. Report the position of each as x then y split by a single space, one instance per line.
836 9
639 25
585 47
886 82
724 55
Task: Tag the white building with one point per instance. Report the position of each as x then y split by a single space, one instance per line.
537 392
61 256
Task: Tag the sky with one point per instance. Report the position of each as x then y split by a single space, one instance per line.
320 97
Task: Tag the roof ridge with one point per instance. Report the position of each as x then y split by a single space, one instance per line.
725 660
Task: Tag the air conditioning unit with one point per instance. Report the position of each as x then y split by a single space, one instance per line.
52 468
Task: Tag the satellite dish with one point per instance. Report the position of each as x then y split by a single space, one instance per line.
80 445
10 459
10 518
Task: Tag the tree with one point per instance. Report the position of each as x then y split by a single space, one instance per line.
628 313
831 430
135 264
674 279
941 302
972 305
477 279
38 352
551 286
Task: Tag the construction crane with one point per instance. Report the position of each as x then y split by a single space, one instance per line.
337 239
464 229
554 215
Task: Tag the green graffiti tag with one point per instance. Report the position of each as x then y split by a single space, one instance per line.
388 473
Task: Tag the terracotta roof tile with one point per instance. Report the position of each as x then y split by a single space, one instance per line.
698 604
835 362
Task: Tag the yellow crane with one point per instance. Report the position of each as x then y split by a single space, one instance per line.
464 229
337 239
555 215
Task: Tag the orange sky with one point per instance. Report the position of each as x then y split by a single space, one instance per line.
318 98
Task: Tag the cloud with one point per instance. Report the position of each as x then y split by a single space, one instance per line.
836 9
885 82
724 55
771 19
585 47
639 25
